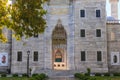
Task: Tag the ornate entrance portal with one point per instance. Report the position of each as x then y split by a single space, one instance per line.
59 47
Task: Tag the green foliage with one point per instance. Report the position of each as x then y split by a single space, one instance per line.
106 74
93 78
3 75
32 78
116 74
97 74
43 75
4 19
39 77
24 18
15 75
83 77
24 75
33 75
88 72
77 75
14 78
27 17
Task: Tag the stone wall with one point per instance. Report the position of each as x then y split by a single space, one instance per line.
31 44
69 14
113 35
6 48
63 13
90 43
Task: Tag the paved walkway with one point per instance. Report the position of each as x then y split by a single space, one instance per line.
62 78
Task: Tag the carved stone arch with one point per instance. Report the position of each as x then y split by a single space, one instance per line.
59 35
58 56
59 46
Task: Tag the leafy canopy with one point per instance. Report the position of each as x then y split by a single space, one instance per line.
23 17
4 19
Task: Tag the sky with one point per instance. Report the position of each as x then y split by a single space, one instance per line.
109 10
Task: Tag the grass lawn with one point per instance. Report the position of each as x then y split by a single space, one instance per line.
24 78
14 78
107 78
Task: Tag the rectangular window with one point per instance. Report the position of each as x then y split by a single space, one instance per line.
99 56
83 58
98 32
82 13
97 13
82 33
19 56
35 56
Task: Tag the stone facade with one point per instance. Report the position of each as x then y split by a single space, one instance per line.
113 46
90 43
65 14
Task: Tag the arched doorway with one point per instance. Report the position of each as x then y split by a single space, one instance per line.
59 47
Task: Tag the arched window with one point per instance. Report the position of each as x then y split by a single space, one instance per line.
58 56
115 59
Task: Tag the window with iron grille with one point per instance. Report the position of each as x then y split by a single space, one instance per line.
98 32
82 13
82 32
98 13
99 56
19 56
35 55
83 58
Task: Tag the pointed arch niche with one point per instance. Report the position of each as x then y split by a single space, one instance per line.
59 47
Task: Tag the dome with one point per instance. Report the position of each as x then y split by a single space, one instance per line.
110 18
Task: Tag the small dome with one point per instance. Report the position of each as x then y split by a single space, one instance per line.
110 18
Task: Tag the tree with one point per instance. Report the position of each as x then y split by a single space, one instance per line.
27 17
23 17
4 19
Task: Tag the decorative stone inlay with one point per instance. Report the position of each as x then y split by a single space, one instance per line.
59 11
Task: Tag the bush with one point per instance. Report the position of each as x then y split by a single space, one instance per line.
43 75
15 75
97 74
3 75
24 75
32 78
76 75
87 74
85 78
106 74
116 74
81 76
39 77
88 71
33 75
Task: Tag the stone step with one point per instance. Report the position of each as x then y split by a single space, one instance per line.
61 78
57 73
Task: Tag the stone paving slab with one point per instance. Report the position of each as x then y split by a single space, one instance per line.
62 78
